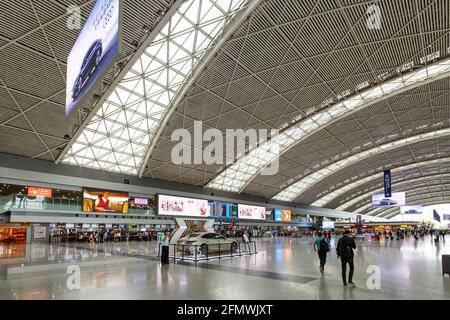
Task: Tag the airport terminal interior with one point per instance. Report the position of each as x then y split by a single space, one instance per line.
225 150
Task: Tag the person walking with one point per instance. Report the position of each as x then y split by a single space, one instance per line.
344 249
165 248
321 246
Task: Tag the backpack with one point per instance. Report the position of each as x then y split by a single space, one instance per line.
346 251
324 246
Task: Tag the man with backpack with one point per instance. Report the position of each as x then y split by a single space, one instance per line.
322 247
344 248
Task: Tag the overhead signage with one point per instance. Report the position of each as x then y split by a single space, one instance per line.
179 206
278 215
387 184
411 210
328 225
251 212
397 200
286 215
40 192
436 216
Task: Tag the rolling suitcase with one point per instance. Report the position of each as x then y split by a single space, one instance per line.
446 264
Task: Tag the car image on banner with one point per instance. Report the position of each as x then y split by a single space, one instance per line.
179 206
411 210
96 48
397 200
251 212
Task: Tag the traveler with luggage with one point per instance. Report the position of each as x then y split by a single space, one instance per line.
344 249
165 248
321 246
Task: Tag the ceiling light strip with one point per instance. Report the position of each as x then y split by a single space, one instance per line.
302 130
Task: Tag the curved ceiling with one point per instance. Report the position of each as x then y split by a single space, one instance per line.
336 90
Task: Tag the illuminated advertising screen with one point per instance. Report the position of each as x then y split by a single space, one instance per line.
411 210
179 206
251 212
222 209
278 215
397 200
286 215
39 192
141 203
96 48
328 225
105 201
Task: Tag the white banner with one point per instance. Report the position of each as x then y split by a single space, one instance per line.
397 200
411 210
251 212
178 206
40 233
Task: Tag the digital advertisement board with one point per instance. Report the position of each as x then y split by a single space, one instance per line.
179 206
251 212
222 209
96 48
278 215
286 215
397 200
105 201
282 215
39 192
139 201
411 210
328 225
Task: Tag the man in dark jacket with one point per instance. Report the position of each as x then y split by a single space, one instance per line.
344 248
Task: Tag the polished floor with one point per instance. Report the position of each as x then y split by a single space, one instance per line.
283 269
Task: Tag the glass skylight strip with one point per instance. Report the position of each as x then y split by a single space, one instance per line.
295 190
293 135
338 192
118 136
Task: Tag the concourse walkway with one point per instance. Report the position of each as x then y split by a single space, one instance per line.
284 268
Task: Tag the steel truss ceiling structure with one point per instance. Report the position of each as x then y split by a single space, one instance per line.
405 185
337 91
419 198
295 190
424 202
240 174
35 42
357 184
118 136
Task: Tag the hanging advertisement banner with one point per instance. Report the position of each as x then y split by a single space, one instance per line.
387 184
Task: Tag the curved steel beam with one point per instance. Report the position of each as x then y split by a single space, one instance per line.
237 176
347 188
298 188
379 190
230 28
